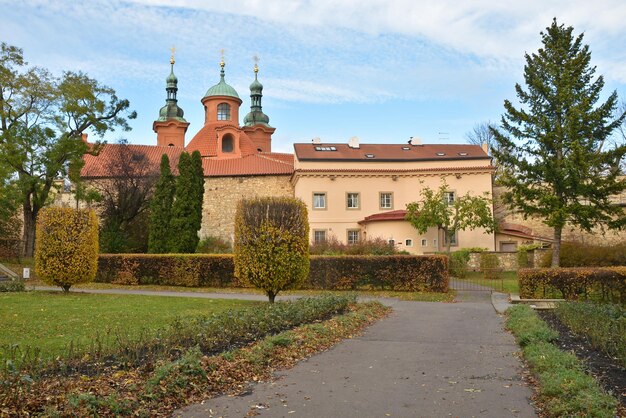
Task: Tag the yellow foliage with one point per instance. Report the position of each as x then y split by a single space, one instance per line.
66 246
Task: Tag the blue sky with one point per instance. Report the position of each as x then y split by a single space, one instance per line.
381 70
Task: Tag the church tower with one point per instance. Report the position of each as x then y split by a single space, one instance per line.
170 127
256 122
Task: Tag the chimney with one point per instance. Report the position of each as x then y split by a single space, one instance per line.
415 141
84 137
316 140
485 148
354 142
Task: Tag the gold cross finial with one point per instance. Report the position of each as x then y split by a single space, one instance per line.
173 51
256 63
222 61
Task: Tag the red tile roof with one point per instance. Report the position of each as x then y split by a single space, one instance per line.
389 152
205 141
263 164
520 231
394 215
393 170
98 166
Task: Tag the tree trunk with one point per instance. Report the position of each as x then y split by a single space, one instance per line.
30 219
271 296
66 288
556 247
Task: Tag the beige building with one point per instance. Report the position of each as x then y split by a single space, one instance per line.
355 191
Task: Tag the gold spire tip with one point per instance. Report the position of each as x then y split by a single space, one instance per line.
173 51
222 63
256 63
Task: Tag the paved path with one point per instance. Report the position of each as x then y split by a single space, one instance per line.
425 360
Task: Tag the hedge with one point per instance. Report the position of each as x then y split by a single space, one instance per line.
398 272
601 283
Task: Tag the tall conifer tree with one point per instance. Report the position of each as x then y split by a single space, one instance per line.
161 209
184 224
198 175
559 165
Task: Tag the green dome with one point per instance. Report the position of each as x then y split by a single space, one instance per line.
221 88
256 86
171 79
171 111
256 117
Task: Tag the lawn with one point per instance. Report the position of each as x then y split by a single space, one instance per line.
509 283
52 320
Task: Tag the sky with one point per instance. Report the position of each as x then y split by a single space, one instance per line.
381 70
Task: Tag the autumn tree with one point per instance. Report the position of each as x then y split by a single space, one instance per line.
560 164
449 213
42 118
271 243
161 209
124 198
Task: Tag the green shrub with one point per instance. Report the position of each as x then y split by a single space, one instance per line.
458 262
174 379
603 325
66 246
271 243
490 266
16 285
214 245
522 255
602 283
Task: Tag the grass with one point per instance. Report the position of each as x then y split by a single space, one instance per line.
604 325
508 284
52 320
564 388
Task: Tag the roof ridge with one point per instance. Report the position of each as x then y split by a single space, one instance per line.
273 159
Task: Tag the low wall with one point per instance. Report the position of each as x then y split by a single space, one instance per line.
509 259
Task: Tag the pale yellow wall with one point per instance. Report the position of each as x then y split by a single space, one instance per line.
400 231
391 165
336 218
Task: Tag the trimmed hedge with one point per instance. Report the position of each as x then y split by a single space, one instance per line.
575 254
399 272
601 283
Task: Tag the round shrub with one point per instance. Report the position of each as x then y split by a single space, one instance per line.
66 246
271 243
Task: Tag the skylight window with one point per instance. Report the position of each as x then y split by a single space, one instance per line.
369 155
463 154
325 148
441 154
406 148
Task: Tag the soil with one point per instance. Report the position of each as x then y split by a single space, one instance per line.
608 371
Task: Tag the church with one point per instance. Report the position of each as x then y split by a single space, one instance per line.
353 191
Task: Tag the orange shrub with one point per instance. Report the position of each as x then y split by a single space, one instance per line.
66 246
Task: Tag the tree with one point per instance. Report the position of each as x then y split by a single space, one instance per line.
42 119
437 209
481 134
67 246
271 243
161 209
187 207
124 198
561 166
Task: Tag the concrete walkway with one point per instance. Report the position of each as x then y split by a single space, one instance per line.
425 360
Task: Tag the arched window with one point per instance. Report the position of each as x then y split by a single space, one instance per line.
227 143
223 111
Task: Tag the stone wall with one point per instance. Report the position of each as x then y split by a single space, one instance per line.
221 195
570 232
508 260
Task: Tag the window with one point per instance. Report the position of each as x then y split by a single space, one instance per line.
227 143
353 236
448 197
223 111
386 200
352 200
319 200
408 242
325 148
424 242
319 236
453 239
391 242
508 246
